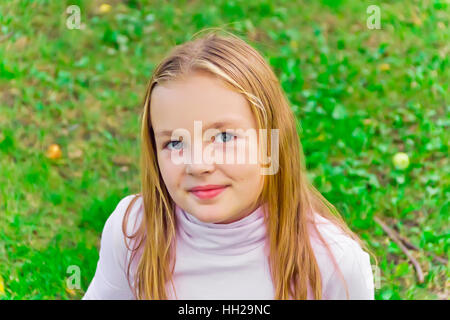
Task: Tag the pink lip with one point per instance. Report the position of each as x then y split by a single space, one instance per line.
207 192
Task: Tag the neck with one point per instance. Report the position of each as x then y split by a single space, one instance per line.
242 215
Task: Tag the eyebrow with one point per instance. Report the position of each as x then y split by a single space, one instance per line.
217 124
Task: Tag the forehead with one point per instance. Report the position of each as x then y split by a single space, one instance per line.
199 97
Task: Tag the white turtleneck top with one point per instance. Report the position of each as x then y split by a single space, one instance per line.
227 261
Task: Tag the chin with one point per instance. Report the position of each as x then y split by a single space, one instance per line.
207 220
208 217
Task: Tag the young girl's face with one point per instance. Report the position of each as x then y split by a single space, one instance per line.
201 97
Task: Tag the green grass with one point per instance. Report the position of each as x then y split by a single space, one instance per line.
360 97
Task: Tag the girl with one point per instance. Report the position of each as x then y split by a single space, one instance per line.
215 230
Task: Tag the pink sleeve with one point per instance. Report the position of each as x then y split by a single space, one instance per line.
357 272
109 281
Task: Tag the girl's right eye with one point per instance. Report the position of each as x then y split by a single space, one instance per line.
169 145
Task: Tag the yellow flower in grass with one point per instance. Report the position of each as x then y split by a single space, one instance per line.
54 152
71 292
104 8
2 286
401 160
385 67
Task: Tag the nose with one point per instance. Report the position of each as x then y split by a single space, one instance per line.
199 168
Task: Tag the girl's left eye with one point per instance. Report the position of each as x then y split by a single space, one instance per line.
226 133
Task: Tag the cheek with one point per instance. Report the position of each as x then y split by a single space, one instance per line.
170 172
244 175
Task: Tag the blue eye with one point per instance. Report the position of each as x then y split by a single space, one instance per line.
226 133
169 144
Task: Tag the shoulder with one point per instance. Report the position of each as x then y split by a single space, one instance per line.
110 280
113 231
347 260
336 239
117 216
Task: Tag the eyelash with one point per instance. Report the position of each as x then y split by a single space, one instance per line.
165 146
233 136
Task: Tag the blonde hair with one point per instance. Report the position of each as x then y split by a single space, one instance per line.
291 199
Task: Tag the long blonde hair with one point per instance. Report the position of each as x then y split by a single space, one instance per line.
291 198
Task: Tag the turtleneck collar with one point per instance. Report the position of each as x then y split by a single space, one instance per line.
233 238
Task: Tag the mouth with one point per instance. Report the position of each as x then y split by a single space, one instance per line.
209 191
